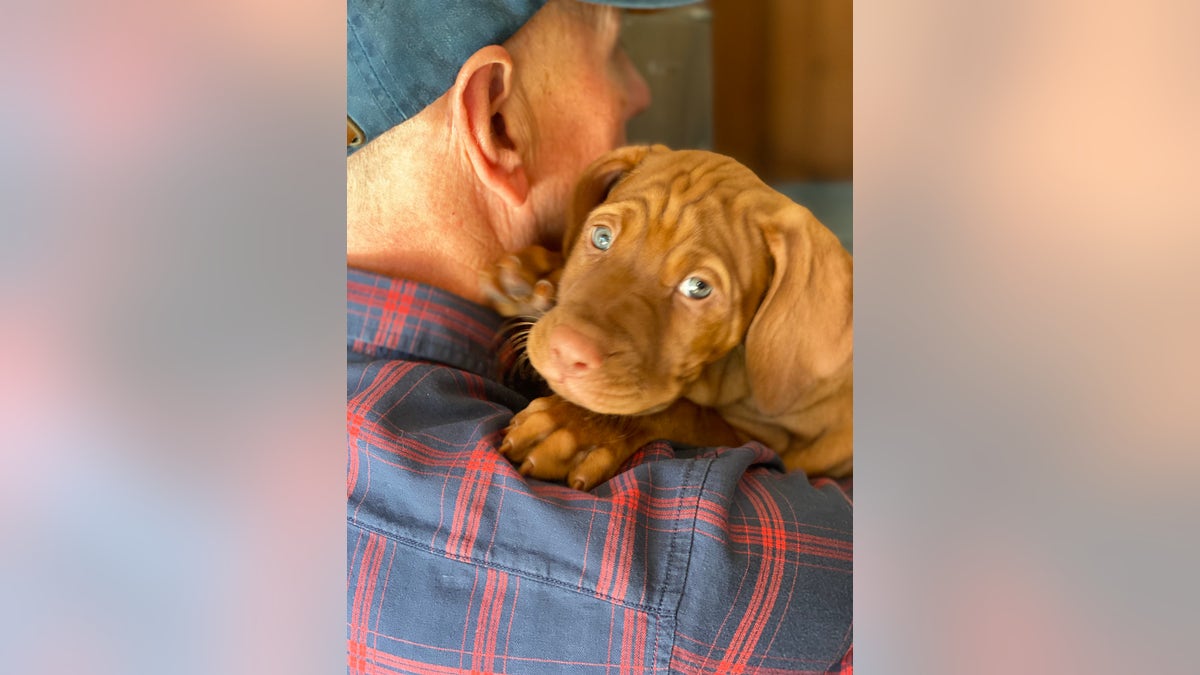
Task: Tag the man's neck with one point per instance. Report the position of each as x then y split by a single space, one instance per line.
415 223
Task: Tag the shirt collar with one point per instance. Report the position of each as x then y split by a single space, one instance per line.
390 318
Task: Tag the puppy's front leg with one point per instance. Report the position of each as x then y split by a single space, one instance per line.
554 439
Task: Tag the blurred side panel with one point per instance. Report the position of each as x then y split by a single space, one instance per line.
172 401
1026 250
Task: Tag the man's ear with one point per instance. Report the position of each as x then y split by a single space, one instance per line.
483 112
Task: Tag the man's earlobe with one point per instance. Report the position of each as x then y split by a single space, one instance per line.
483 109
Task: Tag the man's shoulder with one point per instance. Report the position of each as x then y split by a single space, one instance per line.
398 319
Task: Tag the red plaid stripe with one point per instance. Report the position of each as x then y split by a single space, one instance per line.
470 503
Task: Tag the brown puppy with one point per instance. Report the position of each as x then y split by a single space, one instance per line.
695 304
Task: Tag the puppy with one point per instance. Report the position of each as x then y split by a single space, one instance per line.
694 304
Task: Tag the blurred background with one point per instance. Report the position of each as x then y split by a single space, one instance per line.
768 82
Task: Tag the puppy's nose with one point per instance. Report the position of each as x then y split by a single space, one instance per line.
573 353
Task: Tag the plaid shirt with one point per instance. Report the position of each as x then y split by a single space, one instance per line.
702 560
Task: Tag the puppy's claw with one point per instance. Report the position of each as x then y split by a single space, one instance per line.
542 297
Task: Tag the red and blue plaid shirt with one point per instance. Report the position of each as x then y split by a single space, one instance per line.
706 560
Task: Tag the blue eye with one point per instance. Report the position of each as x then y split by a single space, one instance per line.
695 288
602 237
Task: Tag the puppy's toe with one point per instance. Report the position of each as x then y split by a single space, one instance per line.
552 457
593 468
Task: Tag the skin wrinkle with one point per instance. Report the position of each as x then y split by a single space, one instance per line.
695 255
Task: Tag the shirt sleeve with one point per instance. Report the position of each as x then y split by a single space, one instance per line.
708 560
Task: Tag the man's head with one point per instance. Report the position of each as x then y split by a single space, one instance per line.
495 108
541 87
403 54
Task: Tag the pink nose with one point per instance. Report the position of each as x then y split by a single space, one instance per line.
572 353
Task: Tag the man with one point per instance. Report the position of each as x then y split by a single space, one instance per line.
469 121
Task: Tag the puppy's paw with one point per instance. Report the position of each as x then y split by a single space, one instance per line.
556 440
523 283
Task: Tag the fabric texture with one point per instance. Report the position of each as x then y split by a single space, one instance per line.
691 560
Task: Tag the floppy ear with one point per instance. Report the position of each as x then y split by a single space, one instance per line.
596 182
803 331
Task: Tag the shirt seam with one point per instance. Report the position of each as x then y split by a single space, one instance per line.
687 567
847 642
525 574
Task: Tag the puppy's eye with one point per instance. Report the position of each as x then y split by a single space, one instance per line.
695 288
602 237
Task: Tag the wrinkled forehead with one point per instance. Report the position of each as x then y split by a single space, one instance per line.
681 199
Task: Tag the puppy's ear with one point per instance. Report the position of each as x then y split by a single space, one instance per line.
597 181
803 331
